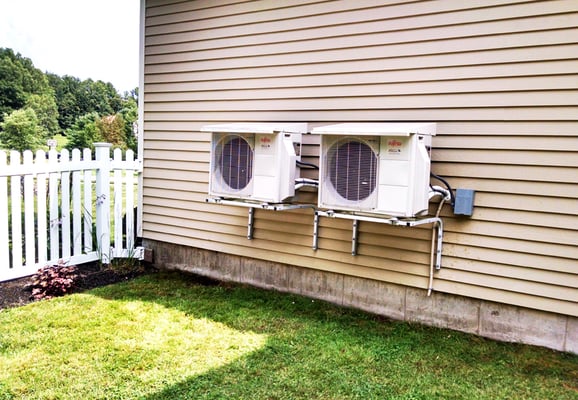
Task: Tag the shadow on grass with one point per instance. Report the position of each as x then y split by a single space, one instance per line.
316 350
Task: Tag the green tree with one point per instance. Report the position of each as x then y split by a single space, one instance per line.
106 99
84 132
61 104
129 113
20 130
12 95
46 111
65 89
76 98
111 130
18 79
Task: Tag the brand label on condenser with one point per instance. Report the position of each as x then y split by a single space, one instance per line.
265 144
394 147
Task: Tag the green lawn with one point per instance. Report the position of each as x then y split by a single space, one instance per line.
165 336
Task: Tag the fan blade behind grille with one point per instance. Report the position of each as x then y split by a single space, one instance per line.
352 168
236 162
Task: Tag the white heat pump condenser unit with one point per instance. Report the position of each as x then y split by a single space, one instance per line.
376 168
255 161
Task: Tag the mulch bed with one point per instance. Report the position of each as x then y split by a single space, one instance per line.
17 292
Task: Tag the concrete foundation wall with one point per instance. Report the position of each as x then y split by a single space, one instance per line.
492 320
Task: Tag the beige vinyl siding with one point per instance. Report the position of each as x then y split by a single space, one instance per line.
500 79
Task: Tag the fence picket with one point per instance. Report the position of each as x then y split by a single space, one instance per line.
54 197
41 207
53 210
129 201
117 188
65 206
15 184
102 151
4 244
76 209
29 234
87 205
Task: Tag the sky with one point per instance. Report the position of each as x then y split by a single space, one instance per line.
96 39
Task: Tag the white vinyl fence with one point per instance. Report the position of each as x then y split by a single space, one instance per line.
61 207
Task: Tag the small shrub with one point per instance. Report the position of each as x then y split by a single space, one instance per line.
53 281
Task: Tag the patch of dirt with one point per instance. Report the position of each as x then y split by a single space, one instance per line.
17 292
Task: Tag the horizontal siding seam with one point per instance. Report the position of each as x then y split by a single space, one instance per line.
367 48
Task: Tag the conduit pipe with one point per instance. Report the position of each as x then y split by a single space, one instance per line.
304 182
447 195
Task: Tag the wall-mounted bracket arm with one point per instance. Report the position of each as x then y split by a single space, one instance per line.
252 206
436 221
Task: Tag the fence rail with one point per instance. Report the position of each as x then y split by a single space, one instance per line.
58 207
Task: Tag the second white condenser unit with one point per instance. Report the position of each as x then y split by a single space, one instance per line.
376 168
255 161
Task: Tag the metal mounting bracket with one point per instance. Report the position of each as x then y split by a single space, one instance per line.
357 218
252 206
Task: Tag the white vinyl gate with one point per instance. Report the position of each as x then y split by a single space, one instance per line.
66 207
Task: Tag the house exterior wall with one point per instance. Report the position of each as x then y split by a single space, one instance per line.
499 78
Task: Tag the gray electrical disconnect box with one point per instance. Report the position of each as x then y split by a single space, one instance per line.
464 203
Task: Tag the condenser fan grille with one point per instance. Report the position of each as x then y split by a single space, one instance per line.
352 169
235 162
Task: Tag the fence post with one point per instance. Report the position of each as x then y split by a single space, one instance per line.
103 200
